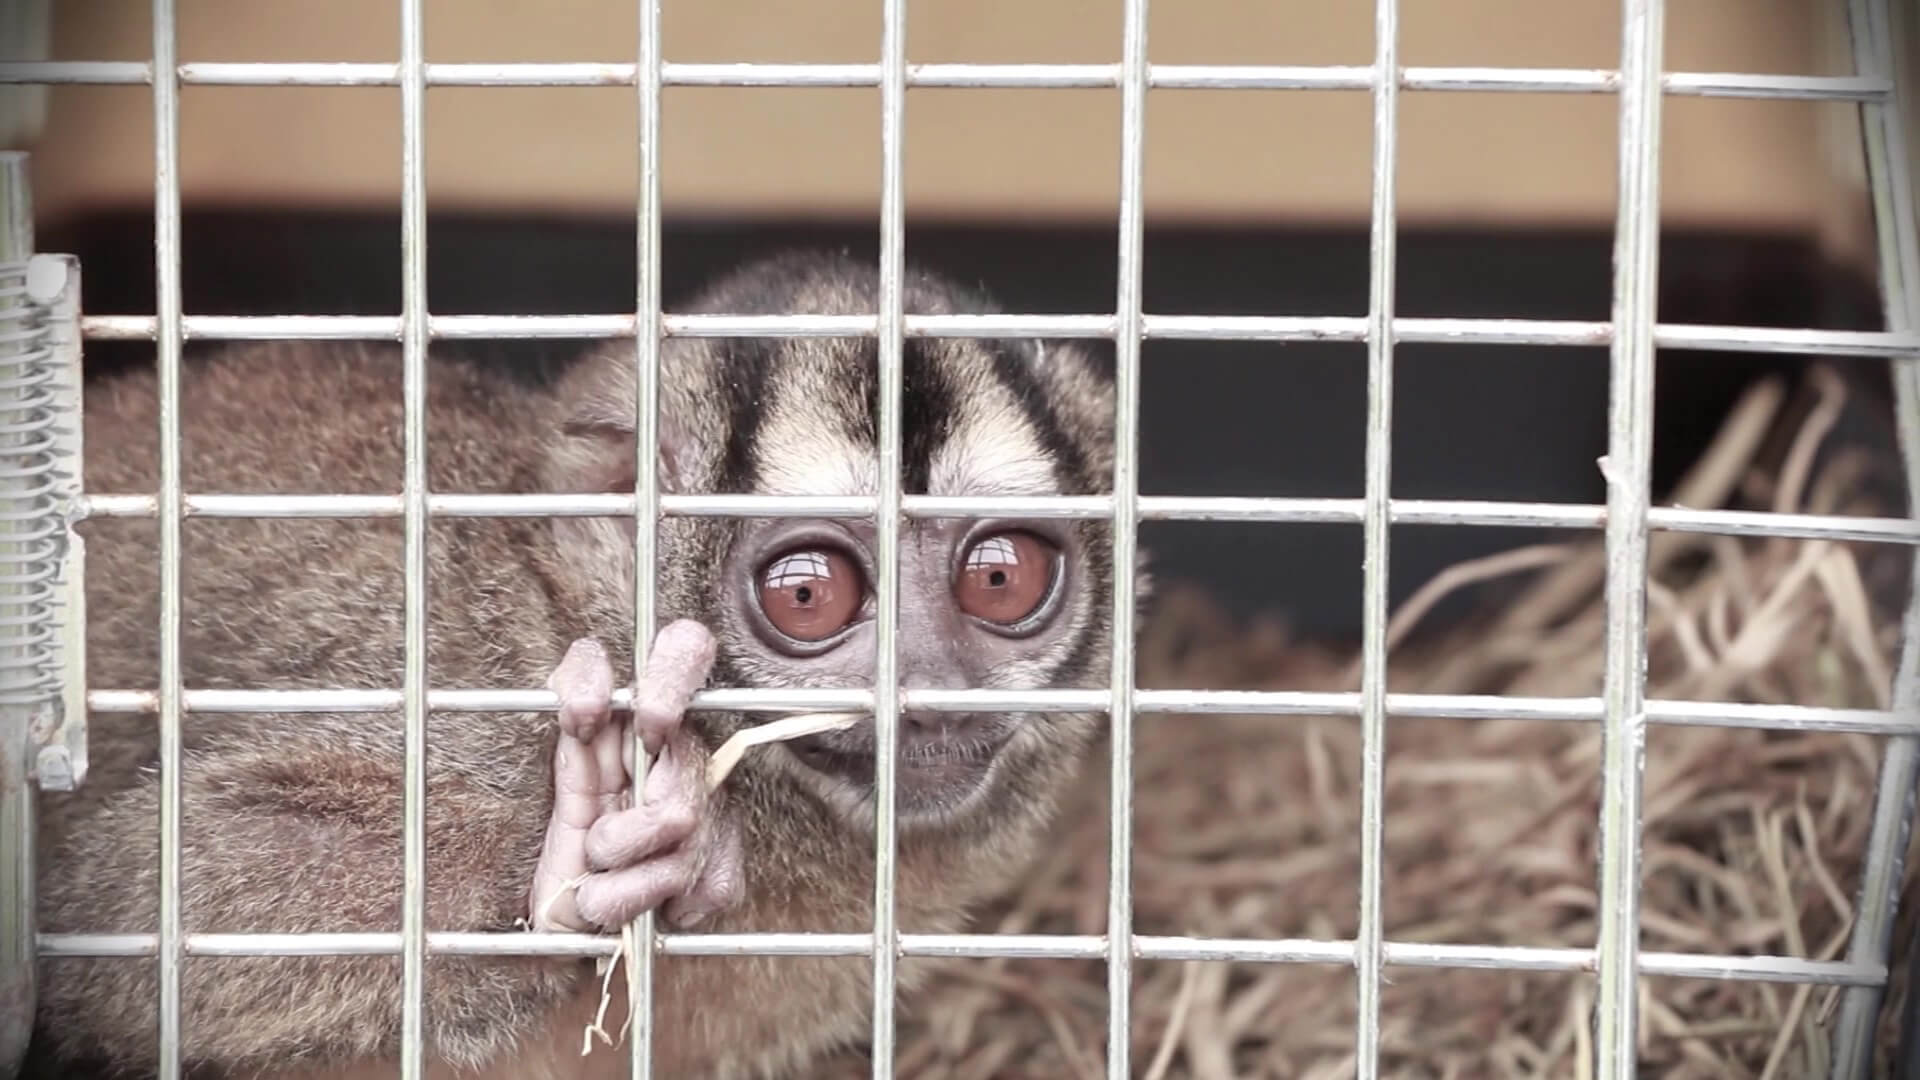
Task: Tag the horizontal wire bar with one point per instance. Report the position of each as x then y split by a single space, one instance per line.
310 73
76 72
1192 702
262 327
1273 328
1009 76
1244 509
1782 969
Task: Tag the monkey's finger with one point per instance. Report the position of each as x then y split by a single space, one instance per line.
678 665
578 786
617 897
721 883
673 807
609 758
625 837
583 793
679 774
563 859
553 906
584 682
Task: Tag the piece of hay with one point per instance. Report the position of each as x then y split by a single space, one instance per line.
787 727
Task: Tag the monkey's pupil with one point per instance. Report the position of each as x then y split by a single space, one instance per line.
804 594
997 579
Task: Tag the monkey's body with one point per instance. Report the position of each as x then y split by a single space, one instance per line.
292 823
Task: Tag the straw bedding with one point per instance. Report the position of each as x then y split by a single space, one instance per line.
1249 826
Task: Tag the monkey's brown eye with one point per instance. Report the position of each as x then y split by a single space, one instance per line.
1005 577
810 594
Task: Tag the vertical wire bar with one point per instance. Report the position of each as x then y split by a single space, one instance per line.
1627 468
413 339
639 939
168 338
1383 265
17 802
886 698
1128 307
1889 172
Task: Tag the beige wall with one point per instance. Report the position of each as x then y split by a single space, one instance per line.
1220 155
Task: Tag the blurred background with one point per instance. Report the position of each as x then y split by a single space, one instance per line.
1257 203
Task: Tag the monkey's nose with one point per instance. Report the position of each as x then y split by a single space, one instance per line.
935 723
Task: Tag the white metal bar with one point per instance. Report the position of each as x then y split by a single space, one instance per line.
1777 87
321 73
1257 77
169 334
1770 969
1277 509
75 73
1273 328
1382 264
413 339
1129 337
1796 718
1027 76
1628 467
891 328
789 75
1896 205
1795 526
639 934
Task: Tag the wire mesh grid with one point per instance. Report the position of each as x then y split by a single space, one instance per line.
1632 333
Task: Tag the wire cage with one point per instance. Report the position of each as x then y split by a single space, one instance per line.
41 332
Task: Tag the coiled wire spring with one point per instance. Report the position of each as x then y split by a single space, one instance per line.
31 515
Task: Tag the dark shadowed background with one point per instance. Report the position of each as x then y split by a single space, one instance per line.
1471 422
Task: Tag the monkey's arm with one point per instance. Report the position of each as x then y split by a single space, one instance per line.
298 844
298 833
307 840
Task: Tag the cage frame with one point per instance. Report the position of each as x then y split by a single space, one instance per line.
1879 87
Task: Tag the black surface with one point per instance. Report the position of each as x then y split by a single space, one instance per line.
1484 422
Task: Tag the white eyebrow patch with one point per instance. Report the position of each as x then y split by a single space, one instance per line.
992 451
819 471
799 455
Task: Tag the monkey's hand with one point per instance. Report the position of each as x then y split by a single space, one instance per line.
609 857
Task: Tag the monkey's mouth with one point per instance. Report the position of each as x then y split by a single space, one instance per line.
928 761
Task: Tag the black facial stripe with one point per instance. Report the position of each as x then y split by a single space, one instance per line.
926 419
926 409
1022 382
744 366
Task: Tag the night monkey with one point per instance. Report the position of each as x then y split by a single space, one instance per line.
293 822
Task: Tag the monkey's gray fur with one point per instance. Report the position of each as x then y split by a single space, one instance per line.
293 822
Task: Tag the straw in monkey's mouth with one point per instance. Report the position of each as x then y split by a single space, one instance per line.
787 727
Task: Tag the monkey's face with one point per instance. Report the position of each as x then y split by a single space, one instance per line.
995 604
999 604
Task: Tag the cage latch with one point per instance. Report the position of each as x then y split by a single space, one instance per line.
42 602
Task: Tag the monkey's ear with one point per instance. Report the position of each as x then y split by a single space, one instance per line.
591 447
599 454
